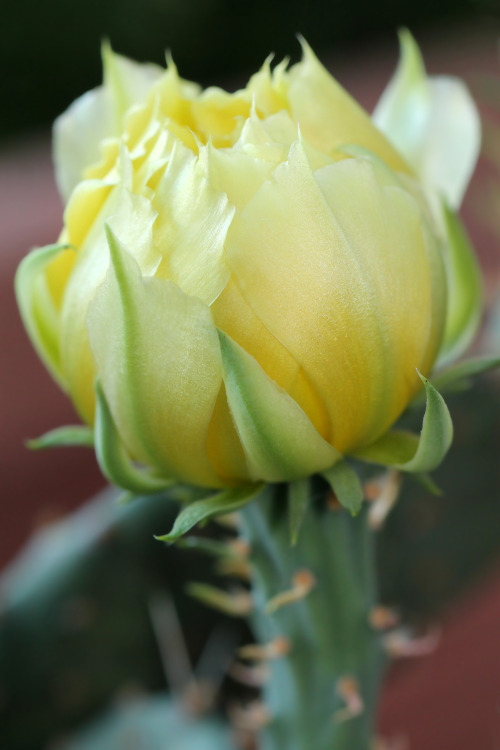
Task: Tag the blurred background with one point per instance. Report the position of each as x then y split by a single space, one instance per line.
77 628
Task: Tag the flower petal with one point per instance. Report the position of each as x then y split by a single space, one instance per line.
465 290
158 358
433 122
131 217
114 462
279 440
410 453
329 117
190 231
354 275
97 115
37 305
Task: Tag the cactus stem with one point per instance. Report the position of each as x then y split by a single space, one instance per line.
334 666
199 697
302 584
171 643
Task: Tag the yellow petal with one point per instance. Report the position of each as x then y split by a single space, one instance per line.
235 172
132 217
338 273
234 316
279 441
329 117
97 115
267 88
191 227
223 444
219 115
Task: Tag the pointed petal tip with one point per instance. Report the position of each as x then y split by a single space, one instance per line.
307 50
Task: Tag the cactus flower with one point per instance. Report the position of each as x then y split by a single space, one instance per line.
252 279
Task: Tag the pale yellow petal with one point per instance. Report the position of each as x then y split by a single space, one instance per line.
329 117
97 115
190 231
265 86
223 444
338 275
235 172
158 359
234 316
132 217
434 123
279 441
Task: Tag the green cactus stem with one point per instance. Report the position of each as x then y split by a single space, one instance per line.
322 695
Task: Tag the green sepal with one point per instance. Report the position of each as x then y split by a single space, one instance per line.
222 503
394 448
37 308
112 457
465 290
428 484
299 495
69 436
280 442
346 485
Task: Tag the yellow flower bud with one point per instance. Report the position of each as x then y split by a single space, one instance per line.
254 278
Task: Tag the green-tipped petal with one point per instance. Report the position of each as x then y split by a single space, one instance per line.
395 449
433 122
465 290
346 485
112 457
131 217
97 115
69 436
279 440
158 357
37 308
222 503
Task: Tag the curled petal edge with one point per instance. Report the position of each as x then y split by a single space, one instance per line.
112 457
409 453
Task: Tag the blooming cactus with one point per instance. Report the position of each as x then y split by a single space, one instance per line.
252 282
